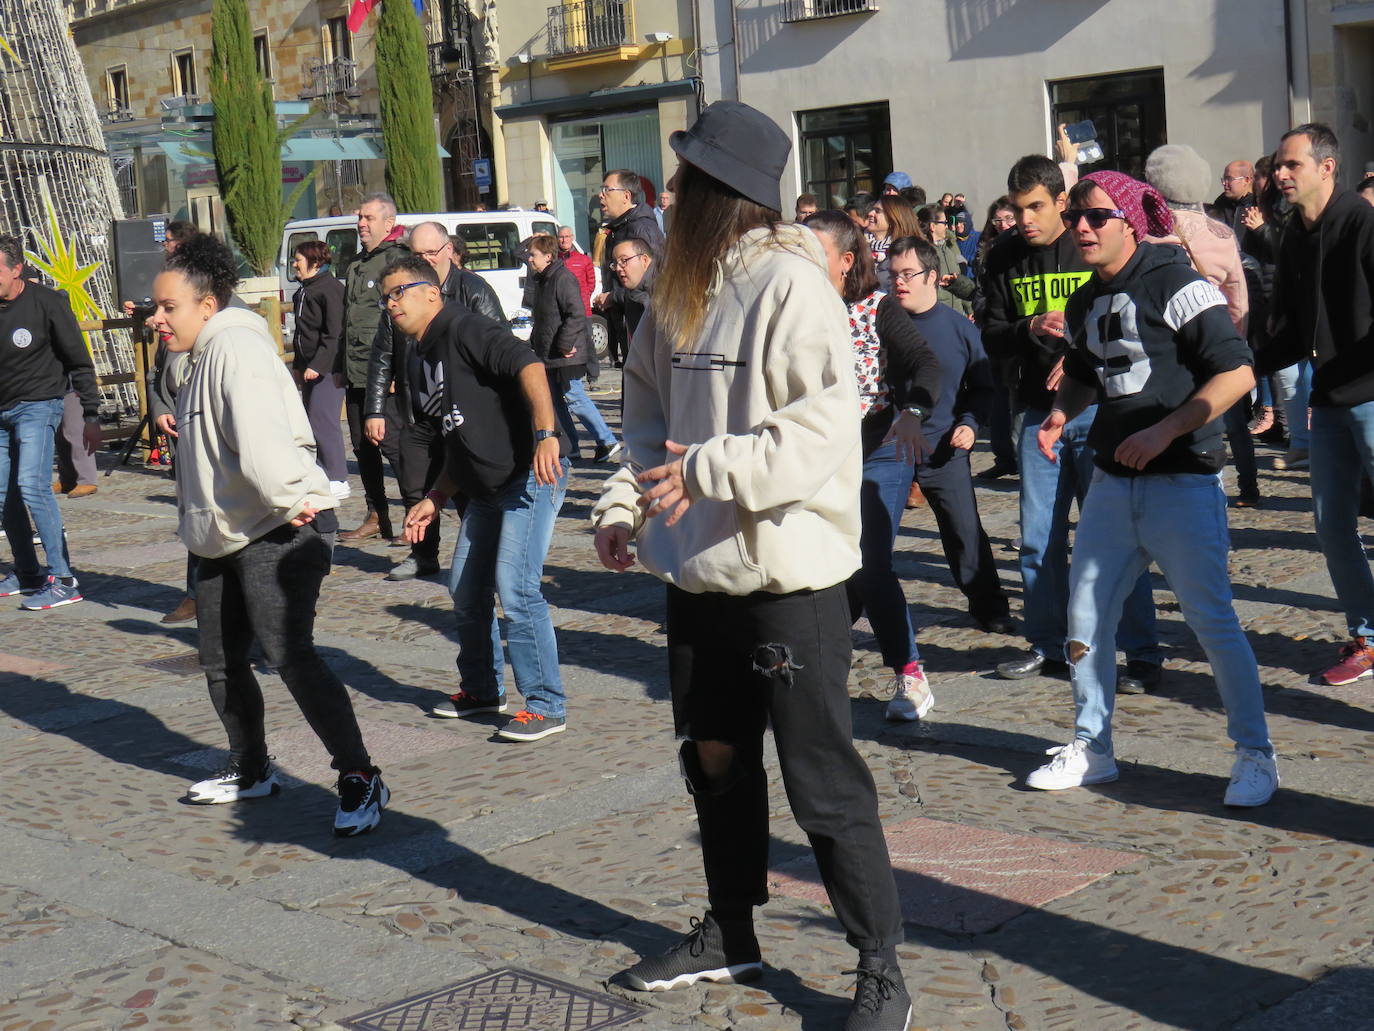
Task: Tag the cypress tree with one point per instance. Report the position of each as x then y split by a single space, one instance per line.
247 142
407 109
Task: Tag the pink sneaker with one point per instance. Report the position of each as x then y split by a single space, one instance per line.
1357 662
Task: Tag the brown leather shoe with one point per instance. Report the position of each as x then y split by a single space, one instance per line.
183 613
371 527
914 497
82 490
57 487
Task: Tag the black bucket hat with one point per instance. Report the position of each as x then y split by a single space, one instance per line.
739 145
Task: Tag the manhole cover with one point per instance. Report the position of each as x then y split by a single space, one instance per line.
183 665
507 1000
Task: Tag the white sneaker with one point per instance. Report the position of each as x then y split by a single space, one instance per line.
1073 765
340 489
911 697
234 783
1254 778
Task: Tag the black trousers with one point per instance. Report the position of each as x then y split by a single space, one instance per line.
368 454
738 663
422 459
268 591
948 486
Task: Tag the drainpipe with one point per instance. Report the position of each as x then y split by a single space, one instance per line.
1299 66
734 48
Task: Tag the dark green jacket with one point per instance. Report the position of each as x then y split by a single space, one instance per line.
362 291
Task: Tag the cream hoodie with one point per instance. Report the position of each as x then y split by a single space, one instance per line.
245 453
766 398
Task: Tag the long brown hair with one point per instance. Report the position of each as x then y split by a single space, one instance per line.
860 280
714 218
901 217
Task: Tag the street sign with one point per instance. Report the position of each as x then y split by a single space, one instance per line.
481 171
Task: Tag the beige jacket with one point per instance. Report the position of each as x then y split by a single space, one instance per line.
767 402
1215 255
245 453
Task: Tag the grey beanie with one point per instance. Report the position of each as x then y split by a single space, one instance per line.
1180 173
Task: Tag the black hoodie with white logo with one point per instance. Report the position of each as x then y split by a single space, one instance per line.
1147 340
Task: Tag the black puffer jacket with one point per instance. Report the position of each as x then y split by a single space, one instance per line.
319 309
560 336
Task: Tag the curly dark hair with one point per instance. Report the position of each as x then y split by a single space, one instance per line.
208 265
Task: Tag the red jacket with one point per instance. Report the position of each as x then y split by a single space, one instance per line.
580 265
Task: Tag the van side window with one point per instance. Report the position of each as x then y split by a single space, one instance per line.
491 245
545 229
343 248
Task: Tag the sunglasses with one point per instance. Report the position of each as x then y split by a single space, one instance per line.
1096 217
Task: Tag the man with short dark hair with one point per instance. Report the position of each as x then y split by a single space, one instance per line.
626 215
380 239
503 452
1155 350
1323 308
41 350
806 206
1028 279
633 261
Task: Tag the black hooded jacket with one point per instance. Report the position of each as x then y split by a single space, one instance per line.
1323 306
1146 341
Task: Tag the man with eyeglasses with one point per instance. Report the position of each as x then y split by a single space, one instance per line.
503 453
1236 197
633 262
1028 279
626 215
578 263
364 325
1154 347
395 379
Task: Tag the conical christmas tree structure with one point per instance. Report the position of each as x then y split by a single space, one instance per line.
57 188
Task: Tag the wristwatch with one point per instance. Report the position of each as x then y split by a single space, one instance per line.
916 412
544 435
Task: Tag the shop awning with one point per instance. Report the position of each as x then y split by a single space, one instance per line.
302 148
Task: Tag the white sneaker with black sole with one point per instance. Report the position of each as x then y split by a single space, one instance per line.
362 797
235 783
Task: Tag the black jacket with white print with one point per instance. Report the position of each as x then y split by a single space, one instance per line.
1147 341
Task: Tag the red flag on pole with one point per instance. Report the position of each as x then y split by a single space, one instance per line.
358 13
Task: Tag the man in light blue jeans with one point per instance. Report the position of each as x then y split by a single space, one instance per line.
502 544
42 352
1153 344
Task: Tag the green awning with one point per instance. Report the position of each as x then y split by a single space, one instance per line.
329 148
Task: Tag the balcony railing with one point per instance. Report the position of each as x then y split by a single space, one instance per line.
326 78
587 25
450 60
119 113
809 10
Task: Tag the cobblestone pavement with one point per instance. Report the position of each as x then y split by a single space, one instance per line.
1138 904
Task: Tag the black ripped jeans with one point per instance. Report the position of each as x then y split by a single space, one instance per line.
267 591
736 664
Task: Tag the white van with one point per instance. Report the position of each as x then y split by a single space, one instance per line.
492 238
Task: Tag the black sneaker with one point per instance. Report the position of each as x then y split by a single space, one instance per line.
1139 677
464 704
362 797
701 956
234 783
881 1002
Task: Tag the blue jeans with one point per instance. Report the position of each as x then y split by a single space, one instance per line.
1178 522
1342 444
577 403
874 588
1294 385
502 542
26 443
1048 491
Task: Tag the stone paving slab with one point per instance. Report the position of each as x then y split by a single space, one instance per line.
969 880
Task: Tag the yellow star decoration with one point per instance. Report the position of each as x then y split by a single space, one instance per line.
5 46
60 264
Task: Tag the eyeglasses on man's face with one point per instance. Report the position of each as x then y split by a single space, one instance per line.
907 275
429 255
604 189
1227 180
397 292
623 263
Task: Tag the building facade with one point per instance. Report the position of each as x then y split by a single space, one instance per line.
147 62
585 87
